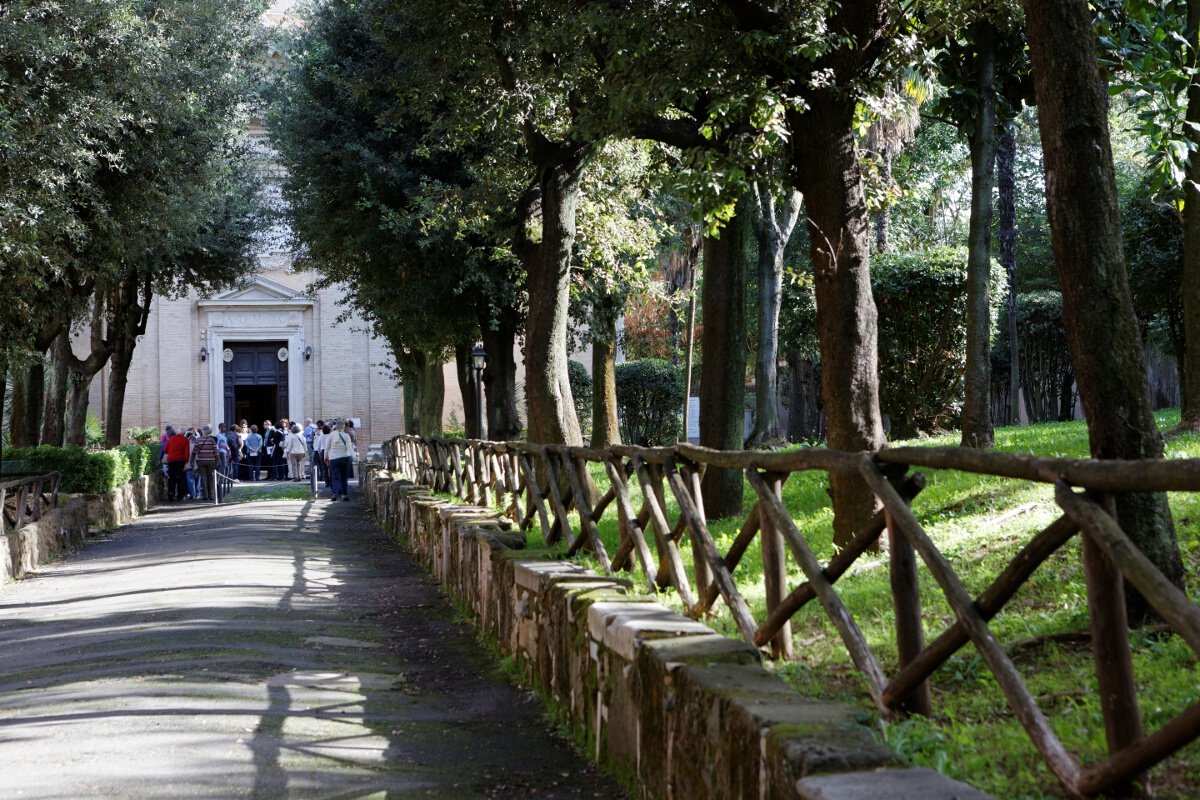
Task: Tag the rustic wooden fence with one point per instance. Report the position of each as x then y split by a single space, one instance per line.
26 499
513 475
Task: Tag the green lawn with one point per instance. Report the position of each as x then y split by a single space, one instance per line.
250 492
972 735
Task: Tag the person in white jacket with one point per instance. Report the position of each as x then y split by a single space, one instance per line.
296 451
339 453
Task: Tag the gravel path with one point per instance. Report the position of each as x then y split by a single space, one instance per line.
269 650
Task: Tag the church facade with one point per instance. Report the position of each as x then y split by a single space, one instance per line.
263 350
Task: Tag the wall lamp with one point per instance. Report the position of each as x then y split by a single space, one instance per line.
204 354
308 351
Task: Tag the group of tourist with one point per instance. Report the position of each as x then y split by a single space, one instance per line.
192 458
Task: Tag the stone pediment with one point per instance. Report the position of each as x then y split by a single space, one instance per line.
258 291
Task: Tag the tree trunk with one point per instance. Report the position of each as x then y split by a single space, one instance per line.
500 377
465 373
827 173
772 230
804 408
552 418
407 367
723 364
25 416
78 385
54 411
977 382
131 314
605 429
1102 330
107 310
118 381
431 393
689 354
4 405
1006 207
1190 366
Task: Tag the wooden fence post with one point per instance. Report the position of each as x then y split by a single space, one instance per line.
774 558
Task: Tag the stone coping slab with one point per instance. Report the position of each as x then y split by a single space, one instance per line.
887 784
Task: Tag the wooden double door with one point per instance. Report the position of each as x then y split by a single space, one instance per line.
256 381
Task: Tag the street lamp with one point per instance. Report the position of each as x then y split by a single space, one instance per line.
478 363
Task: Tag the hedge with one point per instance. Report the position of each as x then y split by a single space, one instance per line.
649 401
87 471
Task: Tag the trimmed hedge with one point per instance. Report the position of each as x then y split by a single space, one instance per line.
87 471
649 401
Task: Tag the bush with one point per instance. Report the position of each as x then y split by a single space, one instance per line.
649 401
85 471
581 393
142 458
921 297
143 435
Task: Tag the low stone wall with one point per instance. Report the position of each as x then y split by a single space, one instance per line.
673 708
63 529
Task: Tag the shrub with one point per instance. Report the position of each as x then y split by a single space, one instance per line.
142 458
581 393
143 435
84 471
649 401
921 297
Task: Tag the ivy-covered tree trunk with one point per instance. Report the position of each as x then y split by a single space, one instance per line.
1006 207
1102 330
605 428
772 229
827 173
977 381
500 377
552 418
1190 366
723 366
54 410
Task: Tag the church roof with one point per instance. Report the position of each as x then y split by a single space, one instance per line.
258 291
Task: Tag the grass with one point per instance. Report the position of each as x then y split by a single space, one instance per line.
972 735
264 490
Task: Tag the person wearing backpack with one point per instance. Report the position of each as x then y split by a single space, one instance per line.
206 456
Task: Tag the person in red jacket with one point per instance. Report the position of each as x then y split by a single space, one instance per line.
176 450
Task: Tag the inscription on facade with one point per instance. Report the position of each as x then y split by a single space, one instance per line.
255 319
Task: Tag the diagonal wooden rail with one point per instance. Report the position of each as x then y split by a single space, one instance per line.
550 485
24 498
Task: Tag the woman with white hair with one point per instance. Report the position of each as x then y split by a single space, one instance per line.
296 451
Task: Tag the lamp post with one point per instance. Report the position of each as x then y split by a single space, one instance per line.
478 362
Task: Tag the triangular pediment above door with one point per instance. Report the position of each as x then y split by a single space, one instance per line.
258 290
